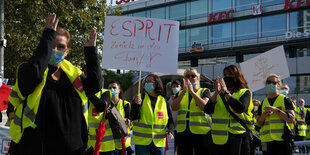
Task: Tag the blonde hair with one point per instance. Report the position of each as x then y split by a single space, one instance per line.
192 71
276 76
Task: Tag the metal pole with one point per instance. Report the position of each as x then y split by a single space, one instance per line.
2 39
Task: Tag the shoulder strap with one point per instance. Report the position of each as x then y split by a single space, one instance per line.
232 114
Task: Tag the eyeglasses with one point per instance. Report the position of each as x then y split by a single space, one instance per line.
192 76
273 82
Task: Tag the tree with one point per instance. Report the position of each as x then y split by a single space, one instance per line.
25 21
125 79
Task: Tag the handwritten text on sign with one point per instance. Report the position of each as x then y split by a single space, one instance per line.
258 68
141 44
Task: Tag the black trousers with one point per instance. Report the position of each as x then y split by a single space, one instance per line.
236 145
278 147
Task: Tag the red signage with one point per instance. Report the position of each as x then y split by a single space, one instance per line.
289 4
218 16
196 47
120 1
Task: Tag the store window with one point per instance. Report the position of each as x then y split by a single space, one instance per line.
221 5
198 35
246 29
139 14
159 13
272 2
221 33
182 39
298 20
177 12
198 9
245 4
274 25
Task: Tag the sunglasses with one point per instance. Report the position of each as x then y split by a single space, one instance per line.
192 76
273 82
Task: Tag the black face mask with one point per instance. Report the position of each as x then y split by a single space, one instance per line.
229 81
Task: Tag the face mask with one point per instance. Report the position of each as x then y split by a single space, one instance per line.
194 84
301 106
283 92
175 90
149 87
114 92
229 81
255 108
270 88
56 57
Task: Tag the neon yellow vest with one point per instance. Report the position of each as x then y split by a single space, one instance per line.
120 107
308 127
33 100
151 127
94 118
301 128
199 122
273 128
223 123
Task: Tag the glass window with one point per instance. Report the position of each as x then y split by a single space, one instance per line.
298 84
245 4
298 20
159 13
182 38
272 2
139 14
220 33
274 25
177 12
198 35
250 56
246 29
198 9
221 5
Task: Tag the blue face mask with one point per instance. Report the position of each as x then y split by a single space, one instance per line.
301 106
114 92
194 84
175 90
149 87
284 92
270 88
56 57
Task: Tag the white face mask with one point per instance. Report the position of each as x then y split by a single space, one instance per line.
255 108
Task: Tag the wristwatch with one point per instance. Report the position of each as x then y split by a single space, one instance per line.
226 92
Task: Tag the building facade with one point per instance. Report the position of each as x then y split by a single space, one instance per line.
217 33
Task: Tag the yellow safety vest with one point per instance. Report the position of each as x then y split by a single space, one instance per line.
308 126
33 100
273 128
151 127
301 128
94 118
199 122
223 123
120 107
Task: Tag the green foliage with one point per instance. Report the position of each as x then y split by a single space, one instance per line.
124 79
25 21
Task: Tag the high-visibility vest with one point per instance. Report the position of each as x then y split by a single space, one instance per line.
94 118
199 122
301 128
30 109
151 126
308 126
223 123
120 107
273 128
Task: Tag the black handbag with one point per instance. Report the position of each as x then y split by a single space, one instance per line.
117 123
253 138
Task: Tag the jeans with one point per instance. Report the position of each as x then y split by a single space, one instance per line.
149 149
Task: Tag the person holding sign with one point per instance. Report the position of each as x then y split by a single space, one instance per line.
275 111
192 123
231 96
151 115
49 96
123 108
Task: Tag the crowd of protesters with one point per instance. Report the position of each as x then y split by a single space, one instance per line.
56 109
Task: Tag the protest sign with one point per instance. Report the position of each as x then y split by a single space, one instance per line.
258 68
145 44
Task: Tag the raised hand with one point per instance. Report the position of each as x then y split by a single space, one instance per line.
223 85
138 99
217 87
184 86
92 39
190 86
51 22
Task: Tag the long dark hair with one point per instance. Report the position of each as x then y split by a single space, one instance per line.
121 94
240 79
159 88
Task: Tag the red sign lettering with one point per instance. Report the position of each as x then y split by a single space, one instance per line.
118 2
289 4
218 16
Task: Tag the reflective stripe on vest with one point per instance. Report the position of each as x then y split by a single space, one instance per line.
94 118
302 128
199 122
150 127
30 107
223 123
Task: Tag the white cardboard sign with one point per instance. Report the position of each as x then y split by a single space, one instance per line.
258 68
145 44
